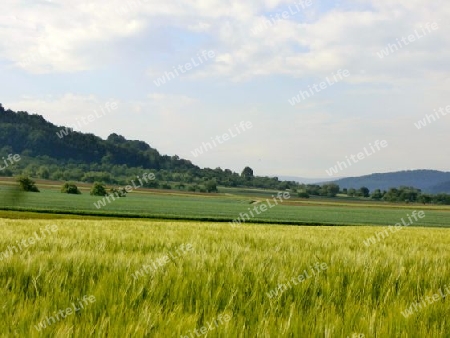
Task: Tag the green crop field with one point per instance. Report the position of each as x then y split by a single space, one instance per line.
210 280
226 207
70 269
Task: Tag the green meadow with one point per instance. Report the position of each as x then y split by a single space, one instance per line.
225 207
224 286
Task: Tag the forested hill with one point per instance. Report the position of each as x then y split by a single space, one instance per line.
51 152
31 134
430 181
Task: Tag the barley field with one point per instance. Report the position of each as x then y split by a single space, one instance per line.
149 278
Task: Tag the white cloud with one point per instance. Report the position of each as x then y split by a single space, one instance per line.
62 36
381 99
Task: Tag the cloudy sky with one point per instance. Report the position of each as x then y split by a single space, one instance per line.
240 61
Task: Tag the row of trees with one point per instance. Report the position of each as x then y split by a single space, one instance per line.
329 190
400 194
410 195
326 190
99 189
43 167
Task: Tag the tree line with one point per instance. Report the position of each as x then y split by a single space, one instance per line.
400 194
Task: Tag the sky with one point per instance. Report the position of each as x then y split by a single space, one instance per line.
183 73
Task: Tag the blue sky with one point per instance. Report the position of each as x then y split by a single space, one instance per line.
65 59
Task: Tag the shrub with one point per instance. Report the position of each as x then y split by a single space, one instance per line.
98 189
70 188
180 186
151 184
121 192
166 186
303 195
26 184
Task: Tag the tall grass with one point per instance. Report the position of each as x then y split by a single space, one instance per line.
228 272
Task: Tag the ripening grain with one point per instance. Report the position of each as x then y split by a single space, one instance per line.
229 274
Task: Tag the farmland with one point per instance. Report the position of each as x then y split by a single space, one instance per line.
168 264
225 207
225 284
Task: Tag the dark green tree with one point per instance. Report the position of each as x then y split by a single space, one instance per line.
98 189
247 173
43 173
364 192
376 195
70 188
26 184
351 192
425 199
119 192
211 186
313 189
329 189
151 184
303 194
166 186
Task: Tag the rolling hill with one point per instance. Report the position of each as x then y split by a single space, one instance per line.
429 181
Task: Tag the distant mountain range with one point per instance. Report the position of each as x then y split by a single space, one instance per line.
429 181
